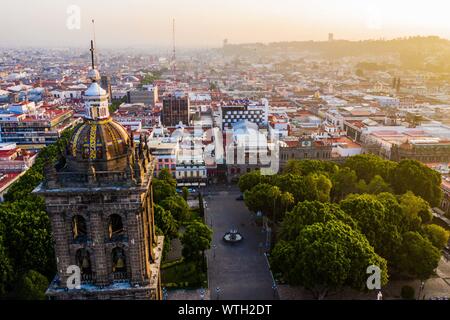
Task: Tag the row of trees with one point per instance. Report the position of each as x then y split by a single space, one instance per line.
172 211
326 181
331 222
26 252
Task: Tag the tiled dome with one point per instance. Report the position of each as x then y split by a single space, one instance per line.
98 141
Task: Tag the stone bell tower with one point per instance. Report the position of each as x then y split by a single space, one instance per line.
100 203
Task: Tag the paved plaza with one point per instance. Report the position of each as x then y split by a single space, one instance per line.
239 270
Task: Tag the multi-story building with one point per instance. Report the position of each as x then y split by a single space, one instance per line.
246 149
191 173
241 110
14 159
136 112
147 95
427 143
428 150
176 109
191 167
165 152
105 82
14 162
36 129
303 149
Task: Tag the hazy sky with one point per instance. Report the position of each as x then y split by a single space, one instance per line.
146 23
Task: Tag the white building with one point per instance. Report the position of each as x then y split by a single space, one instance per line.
254 112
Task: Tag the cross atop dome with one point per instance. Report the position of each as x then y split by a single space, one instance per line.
93 74
96 98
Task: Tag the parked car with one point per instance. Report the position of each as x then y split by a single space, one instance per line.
240 198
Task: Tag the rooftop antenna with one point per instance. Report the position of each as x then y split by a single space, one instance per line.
95 41
92 54
174 68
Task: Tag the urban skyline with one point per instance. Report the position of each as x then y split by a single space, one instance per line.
272 161
202 24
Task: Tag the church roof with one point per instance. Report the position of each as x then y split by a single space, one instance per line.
94 90
98 141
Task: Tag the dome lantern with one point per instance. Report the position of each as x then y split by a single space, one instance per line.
96 98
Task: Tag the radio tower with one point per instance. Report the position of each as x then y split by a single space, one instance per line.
95 43
174 66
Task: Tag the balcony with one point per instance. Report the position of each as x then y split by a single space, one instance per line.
120 277
88 278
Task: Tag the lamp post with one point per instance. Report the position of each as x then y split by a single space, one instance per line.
422 286
274 288
202 294
218 293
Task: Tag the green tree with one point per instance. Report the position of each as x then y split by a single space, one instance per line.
262 197
6 269
309 212
415 209
26 241
185 192
195 240
178 207
319 187
286 202
306 167
327 257
249 180
32 286
294 184
408 293
150 77
418 257
162 190
411 175
201 205
166 176
437 235
371 217
166 222
378 185
394 214
367 166
361 186
344 183
28 237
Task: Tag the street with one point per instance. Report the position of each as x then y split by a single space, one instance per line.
240 271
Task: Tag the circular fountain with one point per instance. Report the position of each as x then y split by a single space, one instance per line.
232 236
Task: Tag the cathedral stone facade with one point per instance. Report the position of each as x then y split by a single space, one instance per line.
100 203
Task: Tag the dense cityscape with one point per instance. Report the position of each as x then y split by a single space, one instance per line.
260 171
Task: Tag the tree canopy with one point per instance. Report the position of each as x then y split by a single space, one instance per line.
418 256
327 256
166 222
411 175
385 202
196 239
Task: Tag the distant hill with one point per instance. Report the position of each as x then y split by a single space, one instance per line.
425 53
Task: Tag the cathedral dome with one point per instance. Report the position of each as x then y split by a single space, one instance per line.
102 143
95 90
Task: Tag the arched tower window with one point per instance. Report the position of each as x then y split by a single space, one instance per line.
119 263
79 229
84 261
85 153
115 227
